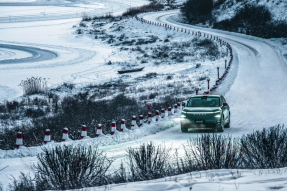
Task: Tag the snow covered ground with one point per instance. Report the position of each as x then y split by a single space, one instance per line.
228 9
53 34
213 180
255 90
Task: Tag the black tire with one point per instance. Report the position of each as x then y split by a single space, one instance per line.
221 128
228 124
184 130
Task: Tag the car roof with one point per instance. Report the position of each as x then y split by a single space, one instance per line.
206 96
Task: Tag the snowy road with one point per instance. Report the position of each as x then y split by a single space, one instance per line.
256 95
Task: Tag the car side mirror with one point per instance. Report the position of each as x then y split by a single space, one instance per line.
184 104
225 104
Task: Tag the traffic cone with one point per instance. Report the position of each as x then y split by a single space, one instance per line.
99 130
19 140
141 120
169 111
162 113
157 115
134 122
149 117
179 105
47 137
65 134
123 126
84 131
113 128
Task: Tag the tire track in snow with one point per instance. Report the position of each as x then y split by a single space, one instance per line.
82 56
38 54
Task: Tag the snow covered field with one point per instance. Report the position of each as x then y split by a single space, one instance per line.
228 8
213 180
259 76
53 34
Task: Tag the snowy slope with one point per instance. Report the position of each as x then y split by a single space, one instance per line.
228 9
211 180
52 32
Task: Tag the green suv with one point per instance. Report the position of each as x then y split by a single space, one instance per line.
205 112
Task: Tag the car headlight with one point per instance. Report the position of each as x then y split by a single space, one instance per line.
217 114
183 114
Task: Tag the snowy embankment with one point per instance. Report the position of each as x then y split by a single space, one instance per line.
228 9
211 180
103 140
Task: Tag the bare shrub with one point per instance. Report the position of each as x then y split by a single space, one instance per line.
86 17
23 183
213 152
67 167
153 6
33 85
149 161
266 148
151 75
152 95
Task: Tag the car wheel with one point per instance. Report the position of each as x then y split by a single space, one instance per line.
184 130
221 128
228 124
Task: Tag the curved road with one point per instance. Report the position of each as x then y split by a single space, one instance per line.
255 89
37 54
257 95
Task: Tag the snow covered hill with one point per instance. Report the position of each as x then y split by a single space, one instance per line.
228 9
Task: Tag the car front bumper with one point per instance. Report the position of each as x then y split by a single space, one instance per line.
191 124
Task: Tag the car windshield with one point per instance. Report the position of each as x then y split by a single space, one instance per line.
203 102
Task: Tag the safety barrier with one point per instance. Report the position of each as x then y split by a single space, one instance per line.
205 35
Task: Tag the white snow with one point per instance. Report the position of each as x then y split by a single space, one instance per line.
228 9
255 90
211 180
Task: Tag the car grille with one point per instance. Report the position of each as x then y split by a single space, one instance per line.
200 115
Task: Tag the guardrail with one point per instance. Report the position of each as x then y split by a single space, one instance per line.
199 34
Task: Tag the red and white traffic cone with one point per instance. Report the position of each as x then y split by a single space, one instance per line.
134 122
141 120
123 126
65 134
99 130
175 108
19 140
149 117
84 131
162 113
179 105
157 115
169 111
113 128
47 137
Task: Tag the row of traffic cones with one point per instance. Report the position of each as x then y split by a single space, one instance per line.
99 133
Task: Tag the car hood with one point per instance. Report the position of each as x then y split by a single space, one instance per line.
201 109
